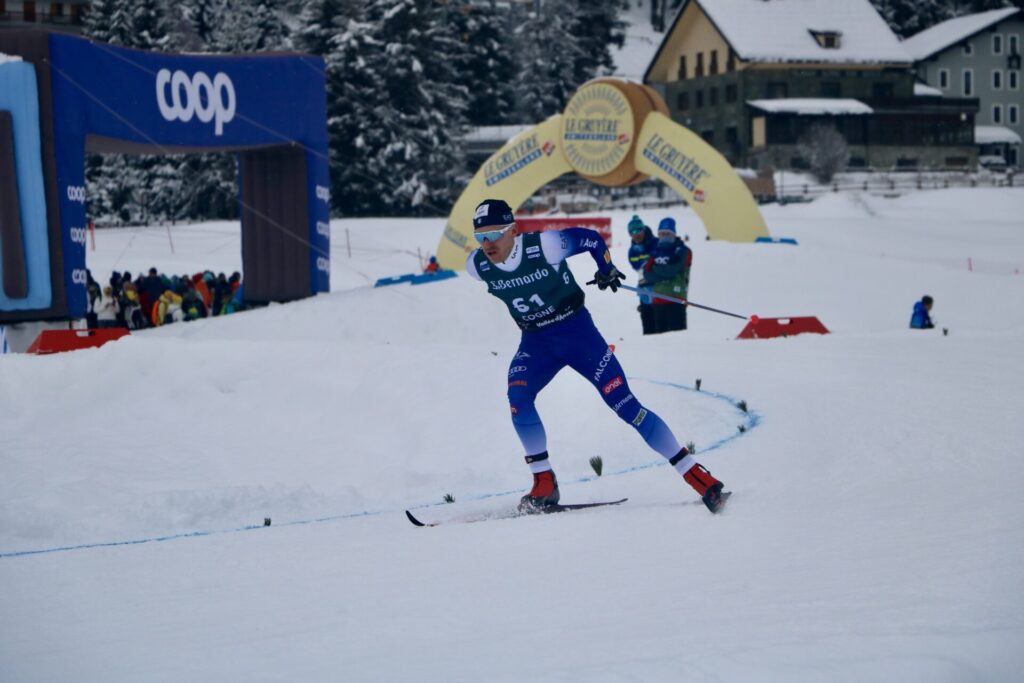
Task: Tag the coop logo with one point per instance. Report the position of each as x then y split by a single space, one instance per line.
78 276
76 193
323 228
207 100
323 194
78 236
323 264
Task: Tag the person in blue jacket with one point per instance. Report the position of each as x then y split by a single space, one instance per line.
643 245
528 273
667 272
921 318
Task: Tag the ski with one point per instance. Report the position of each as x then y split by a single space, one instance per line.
549 510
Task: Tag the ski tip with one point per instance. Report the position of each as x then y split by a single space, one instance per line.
413 519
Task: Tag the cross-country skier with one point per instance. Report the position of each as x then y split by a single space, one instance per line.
526 271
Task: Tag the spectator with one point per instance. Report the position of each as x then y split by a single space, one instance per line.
221 293
167 309
199 282
668 272
92 289
921 318
192 305
108 309
150 289
643 245
131 308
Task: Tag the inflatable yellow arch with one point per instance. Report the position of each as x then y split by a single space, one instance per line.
613 133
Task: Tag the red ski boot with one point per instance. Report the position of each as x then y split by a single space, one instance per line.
707 487
543 493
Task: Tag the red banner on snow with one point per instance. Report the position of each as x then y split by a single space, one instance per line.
766 328
55 341
540 224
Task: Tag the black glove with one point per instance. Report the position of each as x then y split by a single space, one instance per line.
609 279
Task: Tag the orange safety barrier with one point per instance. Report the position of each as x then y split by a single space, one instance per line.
56 341
767 328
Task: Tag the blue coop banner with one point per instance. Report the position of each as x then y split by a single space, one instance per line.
269 109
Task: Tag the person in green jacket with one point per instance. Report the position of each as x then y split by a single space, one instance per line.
667 271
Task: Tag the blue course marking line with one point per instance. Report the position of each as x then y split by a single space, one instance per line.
752 420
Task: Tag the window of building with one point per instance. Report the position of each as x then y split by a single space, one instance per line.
699 70
683 101
997 113
682 67
997 43
713 65
777 91
1012 43
698 99
3 6
1013 80
827 39
968 49
881 91
956 162
968 89
997 79
857 162
709 136
906 162
757 131
830 89
713 97
730 93
1013 114
56 9
944 79
730 62
28 10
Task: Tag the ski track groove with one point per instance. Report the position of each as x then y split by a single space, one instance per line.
753 419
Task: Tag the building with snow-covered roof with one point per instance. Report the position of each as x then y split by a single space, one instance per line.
978 55
752 76
67 15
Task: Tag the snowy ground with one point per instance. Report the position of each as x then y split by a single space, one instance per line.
875 532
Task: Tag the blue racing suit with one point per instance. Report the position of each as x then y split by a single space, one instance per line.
557 331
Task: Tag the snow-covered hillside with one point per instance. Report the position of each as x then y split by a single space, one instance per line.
874 532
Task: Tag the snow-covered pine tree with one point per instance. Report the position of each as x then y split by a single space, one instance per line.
596 27
198 24
907 17
258 29
396 110
490 72
320 21
548 53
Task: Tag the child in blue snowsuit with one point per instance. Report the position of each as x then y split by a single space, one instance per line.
527 272
921 318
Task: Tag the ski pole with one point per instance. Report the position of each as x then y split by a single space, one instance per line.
677 300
